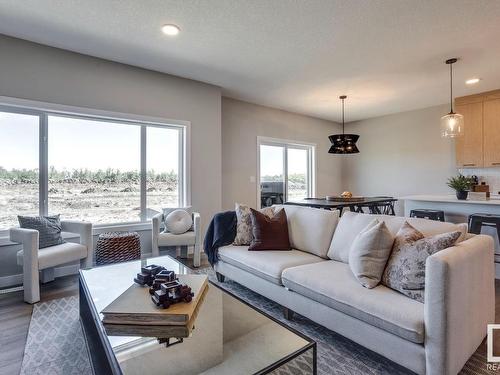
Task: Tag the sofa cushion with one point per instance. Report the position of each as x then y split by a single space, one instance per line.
333 284
269 233
311 229
351 223
178 222
405 271
170 239
244 233
56 255
266 264
369 253
48 227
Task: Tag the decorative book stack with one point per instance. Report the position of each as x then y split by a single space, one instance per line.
133 313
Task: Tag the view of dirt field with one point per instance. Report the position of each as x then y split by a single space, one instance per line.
105 197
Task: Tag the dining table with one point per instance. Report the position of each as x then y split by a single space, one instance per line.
375 205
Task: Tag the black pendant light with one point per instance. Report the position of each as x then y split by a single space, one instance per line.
343 143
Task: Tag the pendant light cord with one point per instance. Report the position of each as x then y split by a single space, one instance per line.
343 125
451 88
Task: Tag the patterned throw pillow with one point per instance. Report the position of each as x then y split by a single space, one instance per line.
244 234
405 270
48 227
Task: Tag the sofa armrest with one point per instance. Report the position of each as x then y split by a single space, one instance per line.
29 240
196 224
459 303
24 236
84 229
156 224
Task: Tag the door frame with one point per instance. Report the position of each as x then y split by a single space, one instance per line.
286 143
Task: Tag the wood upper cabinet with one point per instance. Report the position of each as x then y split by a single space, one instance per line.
480 144
469 147
491 126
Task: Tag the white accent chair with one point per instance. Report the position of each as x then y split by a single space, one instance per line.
34 259
191 239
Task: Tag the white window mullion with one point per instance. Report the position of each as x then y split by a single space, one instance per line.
285 173
182 201
143 181
43 166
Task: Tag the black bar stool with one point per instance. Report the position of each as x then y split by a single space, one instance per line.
428 214
477 221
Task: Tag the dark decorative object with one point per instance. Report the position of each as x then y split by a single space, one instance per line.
168 341
343 143
461 184
147 275
114 247
170 293
164 286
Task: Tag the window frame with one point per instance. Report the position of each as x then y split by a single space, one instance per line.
289 144
44 110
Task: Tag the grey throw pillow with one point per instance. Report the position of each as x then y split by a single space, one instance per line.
405 270
48 227
244 235
369 253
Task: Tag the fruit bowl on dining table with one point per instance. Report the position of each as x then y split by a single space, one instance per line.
346 196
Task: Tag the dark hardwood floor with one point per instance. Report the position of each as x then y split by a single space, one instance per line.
15 318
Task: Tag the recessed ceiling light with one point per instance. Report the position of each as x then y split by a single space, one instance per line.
472 81
170 29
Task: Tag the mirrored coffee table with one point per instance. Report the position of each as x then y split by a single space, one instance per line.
229 336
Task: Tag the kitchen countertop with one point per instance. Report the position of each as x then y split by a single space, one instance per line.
495 199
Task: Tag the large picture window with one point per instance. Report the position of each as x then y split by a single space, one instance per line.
102 170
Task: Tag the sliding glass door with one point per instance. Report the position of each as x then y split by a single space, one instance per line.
286 171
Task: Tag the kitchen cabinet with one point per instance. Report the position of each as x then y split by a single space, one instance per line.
469 147
491 129
479 146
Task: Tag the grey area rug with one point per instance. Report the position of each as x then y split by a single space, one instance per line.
56 345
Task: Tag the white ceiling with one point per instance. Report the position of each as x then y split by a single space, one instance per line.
387 56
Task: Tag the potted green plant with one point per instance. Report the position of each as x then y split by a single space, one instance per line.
461 184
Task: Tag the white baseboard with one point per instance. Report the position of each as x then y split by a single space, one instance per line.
12 280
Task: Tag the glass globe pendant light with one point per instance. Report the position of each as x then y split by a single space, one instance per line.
452 124
343 143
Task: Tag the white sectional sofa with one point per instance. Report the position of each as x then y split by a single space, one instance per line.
435 337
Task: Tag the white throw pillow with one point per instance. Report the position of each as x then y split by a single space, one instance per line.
311 229
178 222
351 223
369 253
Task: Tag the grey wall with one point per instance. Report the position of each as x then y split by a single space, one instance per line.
36 72
400 154
241 124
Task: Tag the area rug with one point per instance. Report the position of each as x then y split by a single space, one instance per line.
56 345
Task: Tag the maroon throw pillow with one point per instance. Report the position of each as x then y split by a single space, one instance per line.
269 233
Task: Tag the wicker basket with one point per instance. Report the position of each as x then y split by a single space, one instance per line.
115 247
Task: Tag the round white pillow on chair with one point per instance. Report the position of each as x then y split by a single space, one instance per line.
178 222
